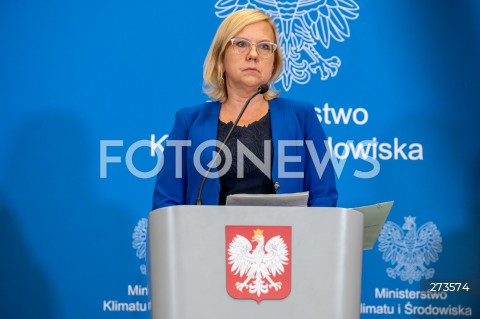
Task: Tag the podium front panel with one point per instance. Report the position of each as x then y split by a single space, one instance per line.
187 256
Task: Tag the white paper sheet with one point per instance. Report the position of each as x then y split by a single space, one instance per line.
374 218
287 200
374 215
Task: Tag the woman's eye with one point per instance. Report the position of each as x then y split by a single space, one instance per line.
242 44
264 46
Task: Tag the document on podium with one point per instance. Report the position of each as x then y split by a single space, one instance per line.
373 220
287 200
374 216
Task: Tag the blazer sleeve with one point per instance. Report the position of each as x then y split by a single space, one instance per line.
319 178
170 190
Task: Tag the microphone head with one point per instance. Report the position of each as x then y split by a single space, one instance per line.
263 88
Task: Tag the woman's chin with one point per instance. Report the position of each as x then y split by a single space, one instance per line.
250 84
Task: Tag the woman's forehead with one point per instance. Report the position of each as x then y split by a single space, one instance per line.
257 31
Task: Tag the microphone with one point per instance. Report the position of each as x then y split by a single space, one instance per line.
261 89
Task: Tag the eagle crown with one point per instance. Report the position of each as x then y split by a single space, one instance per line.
258 232
409 223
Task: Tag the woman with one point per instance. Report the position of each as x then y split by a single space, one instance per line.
282 138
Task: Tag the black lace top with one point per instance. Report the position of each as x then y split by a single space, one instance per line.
254 181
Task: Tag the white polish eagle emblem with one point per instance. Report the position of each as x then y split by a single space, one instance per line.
259 272
412 251
302 24
139 242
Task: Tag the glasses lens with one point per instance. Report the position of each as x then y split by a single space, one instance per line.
241 46
265 48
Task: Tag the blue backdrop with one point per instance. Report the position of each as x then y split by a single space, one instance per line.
82 81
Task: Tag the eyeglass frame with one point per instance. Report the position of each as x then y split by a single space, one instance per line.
275 46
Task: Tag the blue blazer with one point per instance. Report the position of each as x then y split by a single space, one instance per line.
294 168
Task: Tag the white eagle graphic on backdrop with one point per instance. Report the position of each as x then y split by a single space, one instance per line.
411 251
139 242
302 24
258 265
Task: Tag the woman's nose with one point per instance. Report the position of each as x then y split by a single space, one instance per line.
252 54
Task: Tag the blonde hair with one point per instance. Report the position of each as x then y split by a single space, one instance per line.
213 70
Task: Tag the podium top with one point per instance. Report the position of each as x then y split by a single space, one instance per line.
374 216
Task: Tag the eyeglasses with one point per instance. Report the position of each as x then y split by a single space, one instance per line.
243 46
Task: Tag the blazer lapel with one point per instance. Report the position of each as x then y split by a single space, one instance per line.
277 119
211 189
211 121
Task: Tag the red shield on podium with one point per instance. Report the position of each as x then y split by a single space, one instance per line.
258 260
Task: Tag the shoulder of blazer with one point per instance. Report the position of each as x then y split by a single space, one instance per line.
297 106
290 107
191 113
